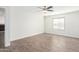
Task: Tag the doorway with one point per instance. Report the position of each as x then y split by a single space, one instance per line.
2 27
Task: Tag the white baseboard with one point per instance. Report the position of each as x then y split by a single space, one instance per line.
18 38
68 35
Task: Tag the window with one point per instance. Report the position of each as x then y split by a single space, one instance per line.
58 23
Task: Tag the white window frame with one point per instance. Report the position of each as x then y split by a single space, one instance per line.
57 27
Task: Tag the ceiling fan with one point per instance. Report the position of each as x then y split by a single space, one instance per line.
46 8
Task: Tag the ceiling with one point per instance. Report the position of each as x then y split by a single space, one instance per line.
57 9
62 9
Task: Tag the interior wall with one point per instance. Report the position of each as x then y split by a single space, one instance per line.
25 21
7 26
2 20
2 12
71 24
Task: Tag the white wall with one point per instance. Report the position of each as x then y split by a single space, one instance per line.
2 20
7 26
2 12
25 21
71 24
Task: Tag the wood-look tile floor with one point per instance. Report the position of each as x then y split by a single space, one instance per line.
45 43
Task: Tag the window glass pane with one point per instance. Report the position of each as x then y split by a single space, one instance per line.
58 23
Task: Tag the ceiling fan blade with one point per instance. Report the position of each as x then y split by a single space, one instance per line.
44 6
50 7
49 10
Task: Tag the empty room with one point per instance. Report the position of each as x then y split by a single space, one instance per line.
39 29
